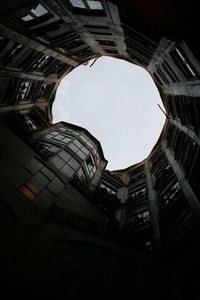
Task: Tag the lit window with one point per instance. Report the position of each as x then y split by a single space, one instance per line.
95 5
37 183
77 3
27 192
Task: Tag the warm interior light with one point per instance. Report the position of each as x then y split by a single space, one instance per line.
27 192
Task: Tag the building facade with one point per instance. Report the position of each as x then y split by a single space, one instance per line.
69 225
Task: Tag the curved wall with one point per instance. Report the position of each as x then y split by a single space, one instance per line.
158 199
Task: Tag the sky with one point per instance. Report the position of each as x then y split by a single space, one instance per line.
115 101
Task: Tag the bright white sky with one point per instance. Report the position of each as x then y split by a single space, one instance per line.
117 102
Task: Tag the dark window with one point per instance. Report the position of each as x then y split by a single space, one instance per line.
57 136
90 166
45 149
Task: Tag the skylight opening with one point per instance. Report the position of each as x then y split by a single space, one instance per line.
117 102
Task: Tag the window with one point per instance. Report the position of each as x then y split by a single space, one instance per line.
32 178
109 190
23 90
184 61
57 136
95 5
40 62
77 3
30 123
13 51
27 18
90 166
88 141
170 193
137 193
45 149
79 149
35 13
182 64
87 7
74 132
97 155
44 90
28 193
81 176
66 163
87 4
37 183
39 11
140 219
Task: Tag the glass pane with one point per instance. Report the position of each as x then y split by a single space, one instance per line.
54 132
81 175
90 163
27 192
90 144
66 140
95 5
58 137
37 183
74 163
77 3
68 171
81 154
73 147
65 155
47 173
39 11
83 138
20 176
77 143
91 175
57 162
85 150
54 149
33 166
48 136
27 18
56 186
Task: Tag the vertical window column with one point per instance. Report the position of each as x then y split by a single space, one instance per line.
189 194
